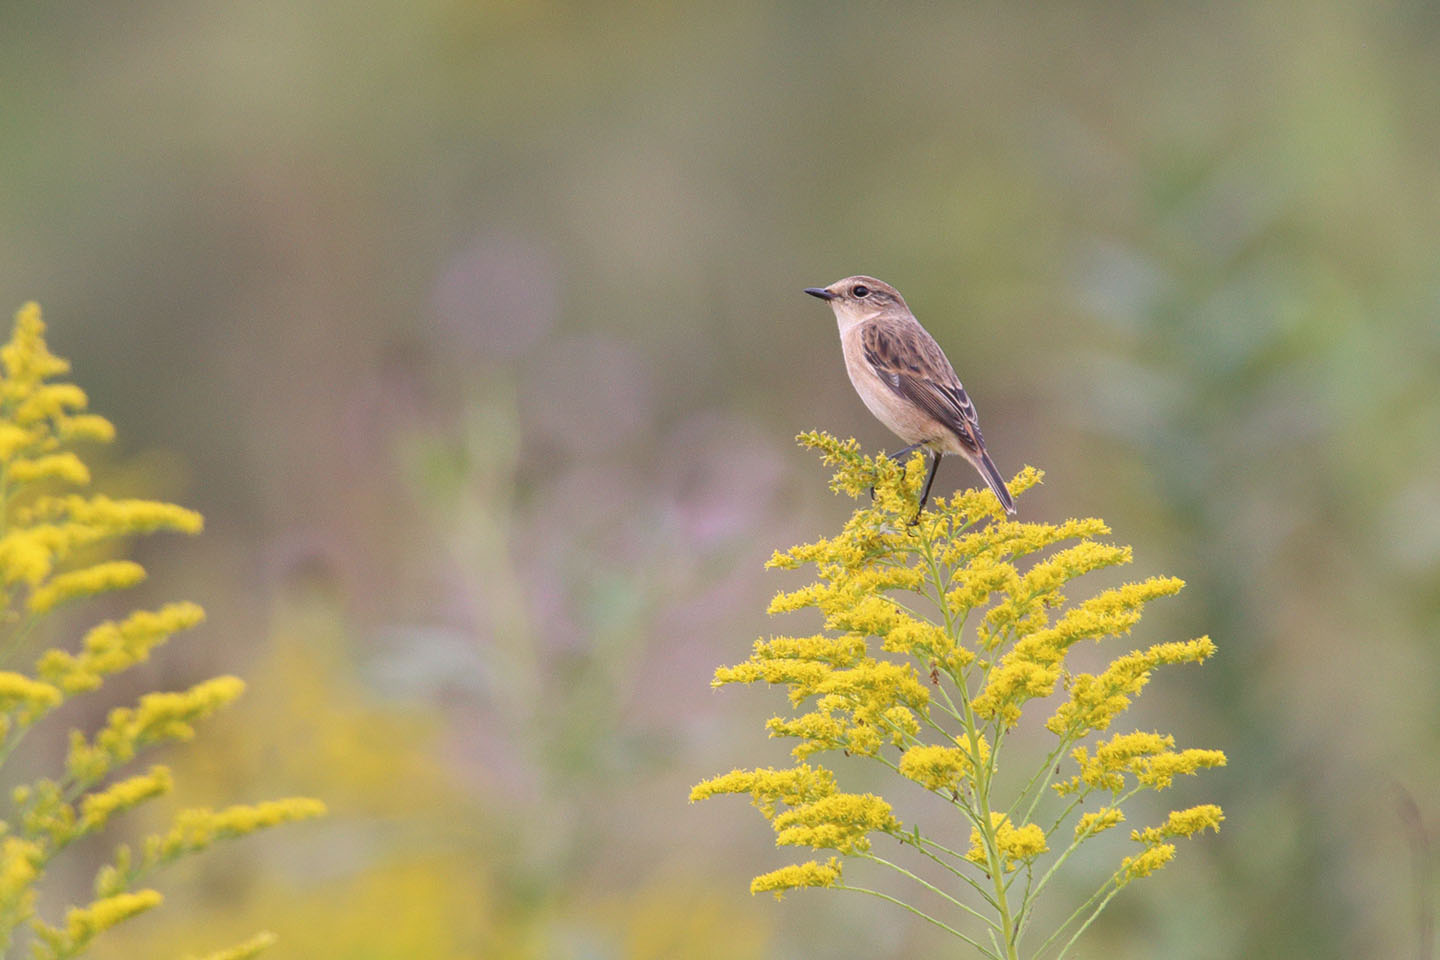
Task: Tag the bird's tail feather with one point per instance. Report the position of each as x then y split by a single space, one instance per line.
996 483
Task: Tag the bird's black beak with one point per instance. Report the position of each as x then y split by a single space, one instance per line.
820 292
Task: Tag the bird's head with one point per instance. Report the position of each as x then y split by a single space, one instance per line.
860 298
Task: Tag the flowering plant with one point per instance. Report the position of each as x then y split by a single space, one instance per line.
937 639
51 544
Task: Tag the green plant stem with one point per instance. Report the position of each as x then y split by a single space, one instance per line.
1075 844
928 886
1086 925
1048 765
983 775
921 914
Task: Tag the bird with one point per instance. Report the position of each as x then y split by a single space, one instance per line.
905 380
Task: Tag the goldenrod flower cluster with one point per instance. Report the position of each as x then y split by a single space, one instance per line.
53 551
941 634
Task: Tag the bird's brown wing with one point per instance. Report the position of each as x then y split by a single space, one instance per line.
912 364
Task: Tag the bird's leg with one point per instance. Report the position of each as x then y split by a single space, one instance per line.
930 479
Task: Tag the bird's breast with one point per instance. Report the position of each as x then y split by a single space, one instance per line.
902 417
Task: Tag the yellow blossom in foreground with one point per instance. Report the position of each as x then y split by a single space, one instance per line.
83 924
767 786
63 467
111 647
840 821
198 828
1181 823
20 862
98 808
156 718
1144 864
1090 824
939 632
1014 844
29 699
243 951
809 874
45 530
938 767
101 578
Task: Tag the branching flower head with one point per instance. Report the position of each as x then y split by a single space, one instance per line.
54 540
941 632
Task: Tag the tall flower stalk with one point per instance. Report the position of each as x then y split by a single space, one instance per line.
59 546
943 633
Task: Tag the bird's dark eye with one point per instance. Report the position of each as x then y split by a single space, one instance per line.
860 291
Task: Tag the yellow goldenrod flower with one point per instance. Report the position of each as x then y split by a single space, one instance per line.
20 861
1015 845
97 808
157 717
809 874
111 647
840 821
938 767
86 426
83 924
41 532
1181 823
1090 824
1132 868
939 632
1161 770
199 827
26 358
101 578
243 951
28 698
767 786
1096 700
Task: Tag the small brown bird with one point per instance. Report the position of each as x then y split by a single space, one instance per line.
902 375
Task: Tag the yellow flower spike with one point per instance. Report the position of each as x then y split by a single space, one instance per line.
936 767
1132 868
84 924
101 578
1160 771
840 821
243 951
42 532
110 517
26 697
156 718
1014 844
1181 823
843 651
904 675
20 861
199 827
768 787
26 358
13 439
97 808
111 646
818 731
796 876
1097 700
86 426
1090 824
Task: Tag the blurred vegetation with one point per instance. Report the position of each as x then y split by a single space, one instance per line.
478 325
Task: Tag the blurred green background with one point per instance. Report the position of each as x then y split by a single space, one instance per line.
475 330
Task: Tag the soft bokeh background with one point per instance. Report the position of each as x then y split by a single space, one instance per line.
475 331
